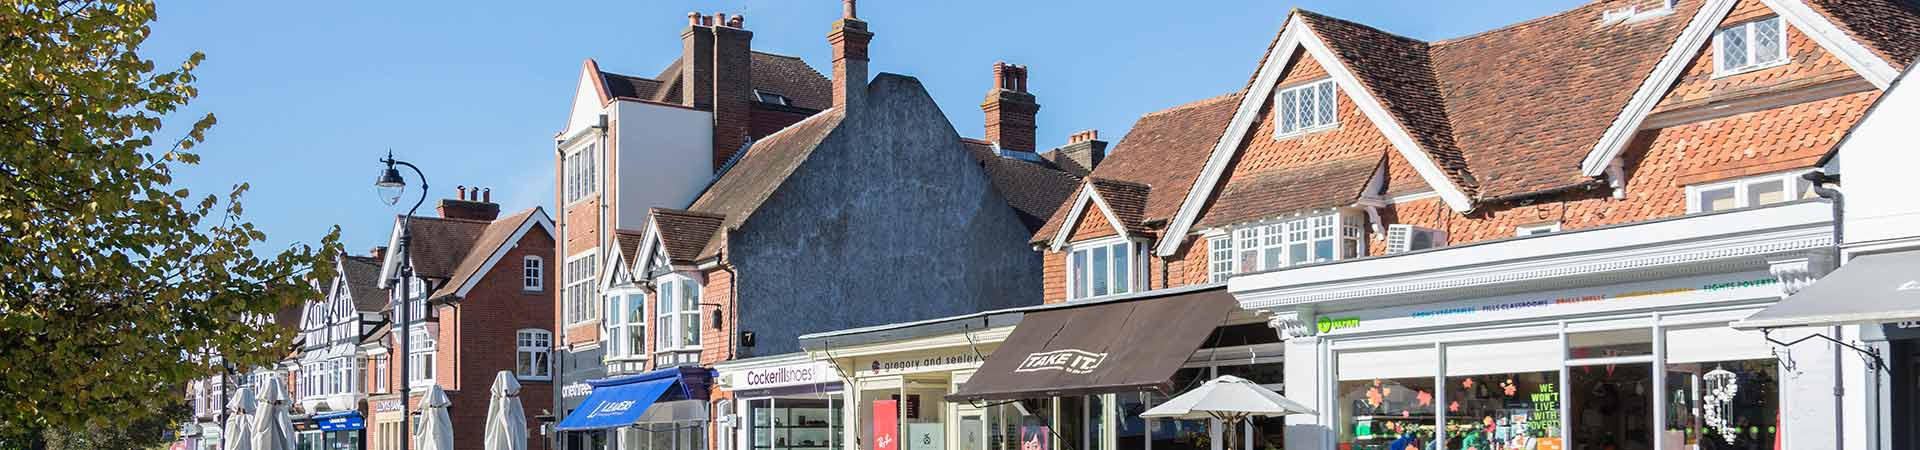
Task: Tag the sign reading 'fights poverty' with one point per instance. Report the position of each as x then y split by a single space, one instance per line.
1074 361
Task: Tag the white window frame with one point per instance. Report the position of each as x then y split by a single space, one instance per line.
1118 282
1537 228
676 301
579 292
622 325
417 306
1748 31
1273 244
1220 260
761 96
1793 189
1322 91
533 273
378 384
537 345
581 173
421 356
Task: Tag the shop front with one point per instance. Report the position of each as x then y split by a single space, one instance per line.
338 430
785 402
896 379
665 409
1608 339
1077 375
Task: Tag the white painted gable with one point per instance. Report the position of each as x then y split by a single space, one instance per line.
587 102
1877 161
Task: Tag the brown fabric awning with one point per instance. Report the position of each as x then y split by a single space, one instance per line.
1117 346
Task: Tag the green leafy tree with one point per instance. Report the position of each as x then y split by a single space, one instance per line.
110 274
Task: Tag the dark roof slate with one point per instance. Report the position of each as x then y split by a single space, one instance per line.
490 239
1034 190
686 235
362 275
1890 28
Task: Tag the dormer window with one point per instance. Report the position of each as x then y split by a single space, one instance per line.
1748 192
1750 46
1102 268
770 97
1305 108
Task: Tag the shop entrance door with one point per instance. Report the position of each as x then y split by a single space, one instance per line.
1905 371
1612 406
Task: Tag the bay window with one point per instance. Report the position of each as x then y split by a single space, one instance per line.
1102 268
626 321
677 311
420 356
533 354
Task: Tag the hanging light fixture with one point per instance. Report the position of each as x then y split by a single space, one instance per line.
1721 385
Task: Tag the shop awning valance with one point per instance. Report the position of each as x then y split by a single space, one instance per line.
1121 345
1870 289
618 402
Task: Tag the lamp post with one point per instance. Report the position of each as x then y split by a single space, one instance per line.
391 185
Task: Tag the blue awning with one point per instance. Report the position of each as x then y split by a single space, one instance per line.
618 402
340 420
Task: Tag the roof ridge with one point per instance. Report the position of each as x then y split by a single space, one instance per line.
451 219
1361 25
782 55
1518 24
684 212
1194 104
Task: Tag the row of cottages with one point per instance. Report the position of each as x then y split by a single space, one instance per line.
737 195
479 304
208 397
1568 210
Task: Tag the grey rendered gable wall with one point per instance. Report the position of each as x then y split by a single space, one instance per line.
890 220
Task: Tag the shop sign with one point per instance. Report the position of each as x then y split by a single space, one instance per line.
788 375
1328 324
924 363
886 425
1069 360
1535 303
572 390
386 405
348 422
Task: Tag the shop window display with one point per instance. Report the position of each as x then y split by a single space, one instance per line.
792 424
1181 434
1611 406
1514 411
1723 405
1382 414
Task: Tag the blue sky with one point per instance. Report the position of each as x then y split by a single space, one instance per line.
311 94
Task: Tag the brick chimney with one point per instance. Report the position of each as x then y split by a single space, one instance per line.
1010 109
472 205
716 74
849 39
378 253
1083 152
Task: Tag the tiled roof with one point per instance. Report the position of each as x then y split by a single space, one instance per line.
686 235
1034 190
629 86
629 242
789 76
1164 151
1127 199
1889 28
1319 185
288 317
362 274
1397 71
490 239
793 78
439 244
743 187
1528 101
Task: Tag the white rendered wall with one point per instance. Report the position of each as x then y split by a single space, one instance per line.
1878 163
664 159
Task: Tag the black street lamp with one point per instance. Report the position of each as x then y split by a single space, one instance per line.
391 185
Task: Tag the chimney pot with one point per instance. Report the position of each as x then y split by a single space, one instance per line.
848 10
463 191
693 18
739 21
378 252
1010 110
849 40
486 196
720 19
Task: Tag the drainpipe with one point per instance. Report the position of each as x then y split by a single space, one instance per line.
1818 180
560 256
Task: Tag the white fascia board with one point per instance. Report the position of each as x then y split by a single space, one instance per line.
1087 196
389 265
649 242
1297 35
1696 37
537 219
1519 262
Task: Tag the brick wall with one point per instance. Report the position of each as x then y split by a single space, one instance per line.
1093 224
478 339
715 343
